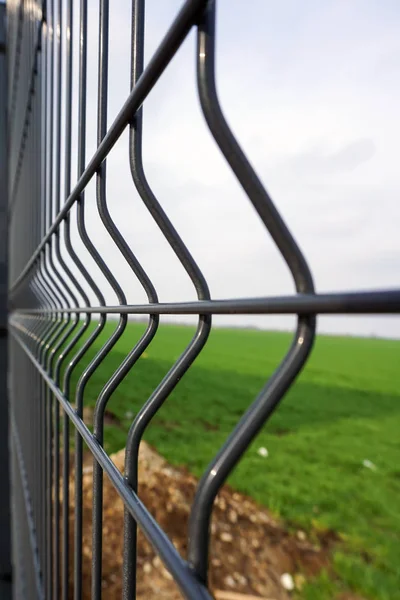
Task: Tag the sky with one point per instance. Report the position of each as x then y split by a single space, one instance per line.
311 90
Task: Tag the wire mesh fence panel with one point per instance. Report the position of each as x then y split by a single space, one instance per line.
59 310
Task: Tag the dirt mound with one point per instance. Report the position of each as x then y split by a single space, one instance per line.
250 551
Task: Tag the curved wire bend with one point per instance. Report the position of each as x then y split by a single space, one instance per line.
268 399
163 390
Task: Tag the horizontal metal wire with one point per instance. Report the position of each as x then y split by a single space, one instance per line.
379 302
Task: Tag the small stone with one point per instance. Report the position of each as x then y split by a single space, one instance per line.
262 452
264 518
167 471
287 582
226 537
157 562
216 562
368 464
147 568
301 536
167 575
229 581
255 543
221 503
232 516
240 578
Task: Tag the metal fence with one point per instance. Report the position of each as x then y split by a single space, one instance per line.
50 311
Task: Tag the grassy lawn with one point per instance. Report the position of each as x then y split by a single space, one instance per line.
344 409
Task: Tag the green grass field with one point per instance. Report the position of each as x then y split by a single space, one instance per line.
343 409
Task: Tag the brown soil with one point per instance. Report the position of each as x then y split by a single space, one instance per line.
348 596
249 551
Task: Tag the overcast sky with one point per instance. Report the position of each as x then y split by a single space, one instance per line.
312 91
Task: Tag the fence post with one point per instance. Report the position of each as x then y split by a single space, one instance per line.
5 537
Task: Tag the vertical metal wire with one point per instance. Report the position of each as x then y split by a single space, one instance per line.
79 407
147 285
67 174
255 417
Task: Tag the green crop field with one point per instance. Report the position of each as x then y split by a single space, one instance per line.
344 409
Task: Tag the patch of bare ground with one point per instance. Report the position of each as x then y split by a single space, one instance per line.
250 550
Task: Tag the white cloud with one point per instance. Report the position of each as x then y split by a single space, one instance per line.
312 92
